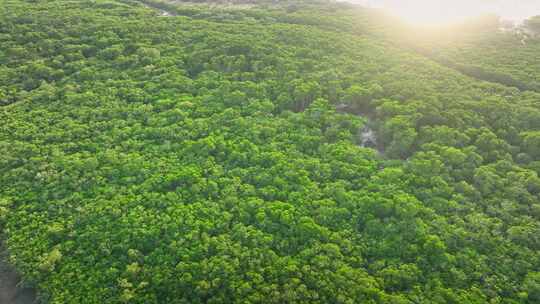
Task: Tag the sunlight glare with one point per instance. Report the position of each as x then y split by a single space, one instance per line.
434 12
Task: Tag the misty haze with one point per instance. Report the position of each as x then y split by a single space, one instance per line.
515 10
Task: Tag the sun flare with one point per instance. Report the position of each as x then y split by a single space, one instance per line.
434 12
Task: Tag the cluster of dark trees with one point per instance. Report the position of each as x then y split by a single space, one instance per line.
200 159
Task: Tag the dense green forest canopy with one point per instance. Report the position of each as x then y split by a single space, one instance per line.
213 155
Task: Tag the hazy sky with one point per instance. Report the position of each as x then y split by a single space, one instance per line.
452 9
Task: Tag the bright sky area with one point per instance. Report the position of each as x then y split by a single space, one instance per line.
448 11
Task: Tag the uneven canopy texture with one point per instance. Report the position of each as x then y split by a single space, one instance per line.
200 159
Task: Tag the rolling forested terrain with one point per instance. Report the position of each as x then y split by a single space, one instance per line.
211 153
485 50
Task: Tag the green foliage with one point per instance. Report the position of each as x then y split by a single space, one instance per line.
200 158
